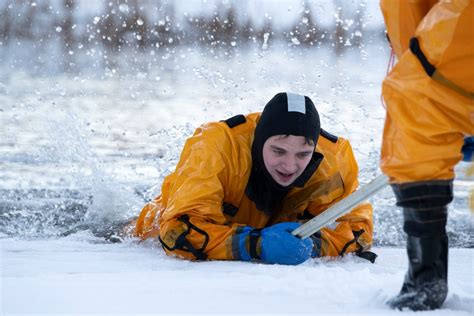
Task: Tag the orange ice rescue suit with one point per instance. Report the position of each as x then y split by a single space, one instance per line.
203 206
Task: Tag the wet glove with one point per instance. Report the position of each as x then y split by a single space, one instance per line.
275 244
468 149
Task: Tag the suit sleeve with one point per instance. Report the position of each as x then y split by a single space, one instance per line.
192 224
353 231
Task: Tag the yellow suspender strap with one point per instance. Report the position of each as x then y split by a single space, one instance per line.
431 70
437 76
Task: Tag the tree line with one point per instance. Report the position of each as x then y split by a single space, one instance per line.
153 23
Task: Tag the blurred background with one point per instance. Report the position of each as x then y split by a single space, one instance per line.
65 30
98 97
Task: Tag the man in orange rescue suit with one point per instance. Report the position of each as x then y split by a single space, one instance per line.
242 185
430 111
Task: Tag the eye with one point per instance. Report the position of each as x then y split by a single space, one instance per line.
303 155
279 152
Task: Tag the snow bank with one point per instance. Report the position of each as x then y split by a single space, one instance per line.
81 274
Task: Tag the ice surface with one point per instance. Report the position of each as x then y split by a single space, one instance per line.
81 274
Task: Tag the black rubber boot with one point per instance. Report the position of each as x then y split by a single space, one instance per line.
425 215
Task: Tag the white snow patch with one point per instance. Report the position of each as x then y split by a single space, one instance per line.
81 274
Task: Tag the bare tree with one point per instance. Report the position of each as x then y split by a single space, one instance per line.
68 22
5 22
306 31
339 33
358 31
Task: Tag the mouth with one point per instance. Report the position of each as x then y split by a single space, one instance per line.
285 177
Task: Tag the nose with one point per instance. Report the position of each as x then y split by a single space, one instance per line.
289 165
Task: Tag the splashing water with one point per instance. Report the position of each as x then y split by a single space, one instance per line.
90 193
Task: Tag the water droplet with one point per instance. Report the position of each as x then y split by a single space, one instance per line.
123 8
295 41
265 41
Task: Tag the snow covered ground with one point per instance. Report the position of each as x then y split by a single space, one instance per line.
82 275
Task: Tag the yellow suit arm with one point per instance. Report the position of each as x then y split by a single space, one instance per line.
192 224
353 231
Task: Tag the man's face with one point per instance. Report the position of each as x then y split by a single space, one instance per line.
286 157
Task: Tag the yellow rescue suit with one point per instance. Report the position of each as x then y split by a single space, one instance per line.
203 202
429 94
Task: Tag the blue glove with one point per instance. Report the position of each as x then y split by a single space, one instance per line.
468 149
274 244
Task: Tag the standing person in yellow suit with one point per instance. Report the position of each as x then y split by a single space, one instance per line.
243 185
430 111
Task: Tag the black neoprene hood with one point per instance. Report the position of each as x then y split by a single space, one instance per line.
284 114
287 114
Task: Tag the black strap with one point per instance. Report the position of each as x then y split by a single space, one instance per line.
350 242
416 50
235 121
254 236
328 136
368 255
185 245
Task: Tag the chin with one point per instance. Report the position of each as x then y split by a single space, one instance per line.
285 184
